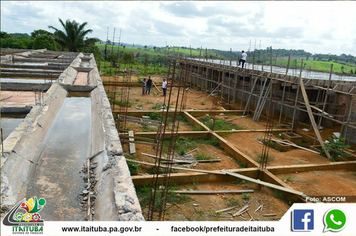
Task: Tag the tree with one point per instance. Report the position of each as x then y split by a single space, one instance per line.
39 32
72 38
128 58
4 35
336 146
44 41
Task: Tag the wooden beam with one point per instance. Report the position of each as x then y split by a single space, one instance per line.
311 116
179 168
214 192
131 144
294 145
257 181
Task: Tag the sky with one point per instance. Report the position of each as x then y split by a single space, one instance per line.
316 27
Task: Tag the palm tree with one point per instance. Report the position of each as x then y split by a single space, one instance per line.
72 38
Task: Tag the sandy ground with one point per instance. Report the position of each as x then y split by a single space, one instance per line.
13 98
203 207
329 183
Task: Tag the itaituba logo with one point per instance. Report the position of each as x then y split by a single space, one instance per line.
25 218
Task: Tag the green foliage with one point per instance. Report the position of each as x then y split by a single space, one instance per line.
133 167
239 181
271 144
336 146
40 32
219 124
232 202
203 156
45 41
155 116
72 37
19 43
158 105
246 196
123 104
214 141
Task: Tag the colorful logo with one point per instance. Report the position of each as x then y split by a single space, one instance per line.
25 217
303 220
334 220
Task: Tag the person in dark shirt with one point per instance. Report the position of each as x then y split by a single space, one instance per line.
148 85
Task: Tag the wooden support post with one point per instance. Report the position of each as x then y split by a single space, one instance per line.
284 91
296 98
131 144
249 98
260 97
310 113
325 100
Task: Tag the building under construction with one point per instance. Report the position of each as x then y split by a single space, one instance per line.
93 128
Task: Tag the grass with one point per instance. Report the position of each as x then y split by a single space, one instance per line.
123 104
246 196
232 202
269 158
147 128
219 124
144 192
281 196
272 144
203 156
134 168
239 181
158 106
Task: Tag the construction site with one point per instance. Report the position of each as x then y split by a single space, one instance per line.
225 143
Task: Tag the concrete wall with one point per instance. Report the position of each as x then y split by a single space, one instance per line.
116 198
22 144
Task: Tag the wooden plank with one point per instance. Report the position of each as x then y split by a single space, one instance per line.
131 144
311 116
226 209
242 210
295 145
257 181
179 168
214 192
154 84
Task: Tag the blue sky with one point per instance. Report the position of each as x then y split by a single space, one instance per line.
317 27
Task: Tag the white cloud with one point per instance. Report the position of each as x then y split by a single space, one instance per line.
320 27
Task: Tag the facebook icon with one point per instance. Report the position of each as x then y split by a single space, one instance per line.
303 220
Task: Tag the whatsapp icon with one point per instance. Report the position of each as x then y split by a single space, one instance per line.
334 220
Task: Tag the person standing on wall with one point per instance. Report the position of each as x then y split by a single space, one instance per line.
243 59
164 87
143 86
148 85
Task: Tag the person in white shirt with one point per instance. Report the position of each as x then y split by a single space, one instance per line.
164 87
243 59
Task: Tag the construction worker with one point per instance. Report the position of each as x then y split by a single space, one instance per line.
243 59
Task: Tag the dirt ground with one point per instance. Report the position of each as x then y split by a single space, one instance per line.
13 98
226 162
202 207
329 183
249 144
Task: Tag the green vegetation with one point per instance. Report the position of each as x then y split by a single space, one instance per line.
281 196
336 146
144 192
232 202
134 168
74 36
203 156
246 196
239 181
121 103
271 144
219 124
